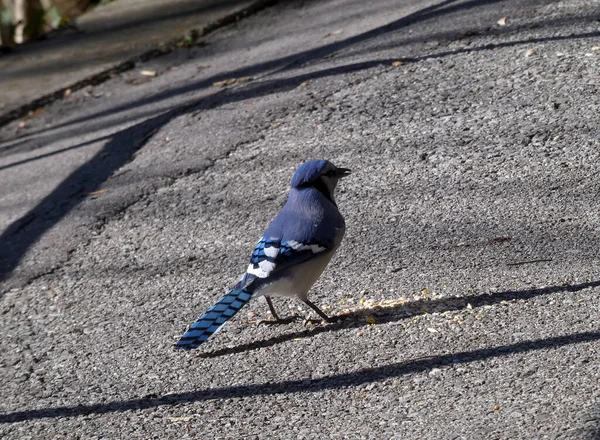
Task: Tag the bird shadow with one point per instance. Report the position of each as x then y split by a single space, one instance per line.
397 310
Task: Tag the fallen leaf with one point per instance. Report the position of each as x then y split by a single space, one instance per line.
502 21
370 320
304 84
469 306
425 292
398 63
496 408
432 330
148 72
67 92
596 48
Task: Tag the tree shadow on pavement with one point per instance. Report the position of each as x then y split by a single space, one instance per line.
366 375
289 62
20 235
292 61
18 238
268 87
24 232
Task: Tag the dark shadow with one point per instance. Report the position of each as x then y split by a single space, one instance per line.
337 381
23 233
385 315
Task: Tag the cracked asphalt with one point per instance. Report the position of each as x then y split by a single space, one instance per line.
468 280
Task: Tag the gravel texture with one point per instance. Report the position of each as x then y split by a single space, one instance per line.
469 278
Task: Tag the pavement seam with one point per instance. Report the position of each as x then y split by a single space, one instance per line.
107 74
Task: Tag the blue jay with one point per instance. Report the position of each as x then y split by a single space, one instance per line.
292 253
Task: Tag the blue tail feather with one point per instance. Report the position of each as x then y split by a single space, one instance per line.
214 318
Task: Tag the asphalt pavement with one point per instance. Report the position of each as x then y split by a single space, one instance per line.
468 282
104 41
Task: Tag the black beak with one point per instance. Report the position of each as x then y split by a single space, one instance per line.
342 172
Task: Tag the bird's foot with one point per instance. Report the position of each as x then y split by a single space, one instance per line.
313 321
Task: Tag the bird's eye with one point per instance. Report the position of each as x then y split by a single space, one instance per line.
330 173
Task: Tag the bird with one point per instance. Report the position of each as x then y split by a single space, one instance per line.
291 254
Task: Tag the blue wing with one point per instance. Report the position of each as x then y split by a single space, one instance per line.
271 255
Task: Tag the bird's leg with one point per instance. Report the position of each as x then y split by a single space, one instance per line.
272 309
276 319
319 311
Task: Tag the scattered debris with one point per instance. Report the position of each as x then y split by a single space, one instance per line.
336 32
530 52
100 191
151 73
502 21
180 419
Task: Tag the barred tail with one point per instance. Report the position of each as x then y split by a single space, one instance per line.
214 318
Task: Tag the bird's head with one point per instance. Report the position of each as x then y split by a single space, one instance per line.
319 174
